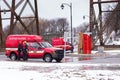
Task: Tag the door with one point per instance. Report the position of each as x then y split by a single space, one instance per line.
35 51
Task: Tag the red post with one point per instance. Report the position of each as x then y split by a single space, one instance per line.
86 44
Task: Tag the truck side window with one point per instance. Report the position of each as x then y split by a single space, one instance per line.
29 44
36 45
33 45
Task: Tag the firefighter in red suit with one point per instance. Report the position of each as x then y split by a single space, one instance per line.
25 51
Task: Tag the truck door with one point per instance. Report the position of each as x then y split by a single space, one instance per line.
34 50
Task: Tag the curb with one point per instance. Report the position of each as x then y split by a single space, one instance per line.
2 53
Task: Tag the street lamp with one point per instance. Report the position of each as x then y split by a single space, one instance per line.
86 16
70 5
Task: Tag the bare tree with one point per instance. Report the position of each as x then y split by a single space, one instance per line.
56 28
82 28
48 28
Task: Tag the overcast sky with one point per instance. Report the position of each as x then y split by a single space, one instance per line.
50 9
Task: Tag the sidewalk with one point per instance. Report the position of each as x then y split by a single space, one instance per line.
75 57
94 54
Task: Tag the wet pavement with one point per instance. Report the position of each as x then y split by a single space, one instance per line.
80 58
94 58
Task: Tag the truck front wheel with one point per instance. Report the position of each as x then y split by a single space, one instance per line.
48 58
13 57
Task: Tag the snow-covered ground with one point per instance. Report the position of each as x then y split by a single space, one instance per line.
20 70
17 70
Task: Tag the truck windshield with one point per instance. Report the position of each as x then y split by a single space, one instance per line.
45 44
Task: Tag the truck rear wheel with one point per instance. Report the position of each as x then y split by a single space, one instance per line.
48 58
13 57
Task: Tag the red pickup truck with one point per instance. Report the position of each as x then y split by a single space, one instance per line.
60 43
37 48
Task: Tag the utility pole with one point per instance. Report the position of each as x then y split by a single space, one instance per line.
1 32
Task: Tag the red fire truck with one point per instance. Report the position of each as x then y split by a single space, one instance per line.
37 48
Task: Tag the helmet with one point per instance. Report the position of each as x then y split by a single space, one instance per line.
25 42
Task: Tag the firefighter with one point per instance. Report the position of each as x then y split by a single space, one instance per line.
19 49
25 51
